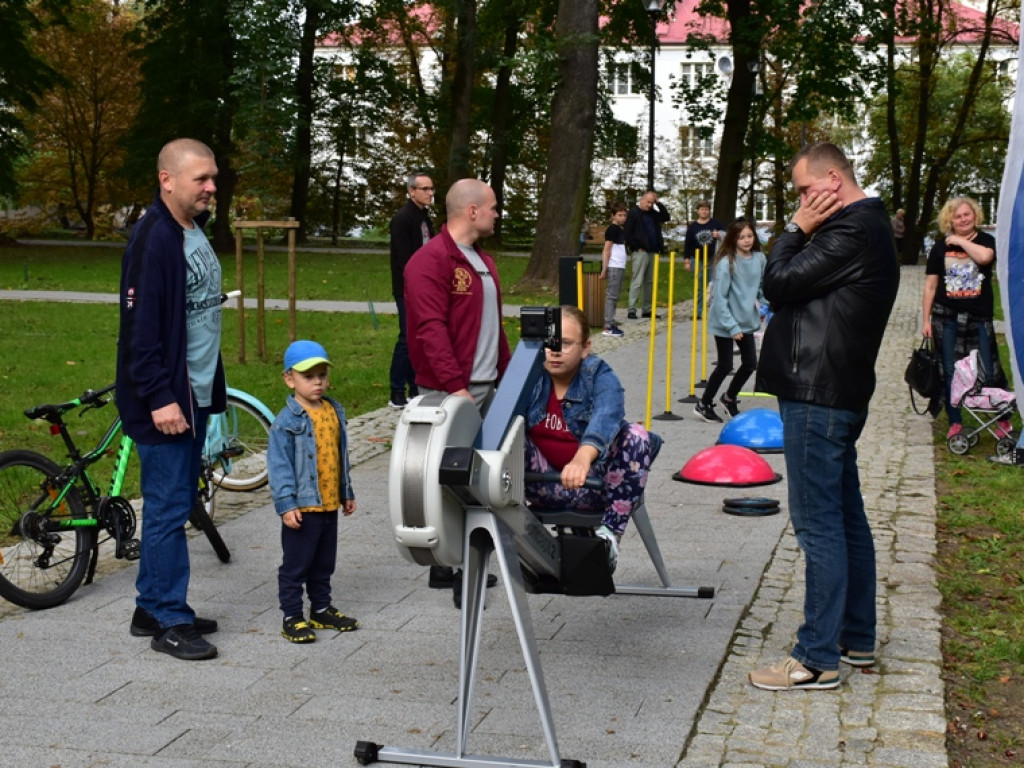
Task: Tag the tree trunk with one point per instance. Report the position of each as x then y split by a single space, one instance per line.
927 46
462 91
223 240
892 128
336 198
304 82
224 150
745 36
499 123
573 110
422 101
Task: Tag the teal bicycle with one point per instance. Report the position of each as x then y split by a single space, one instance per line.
243 430
53 518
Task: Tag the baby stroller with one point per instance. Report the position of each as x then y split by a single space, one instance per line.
987 405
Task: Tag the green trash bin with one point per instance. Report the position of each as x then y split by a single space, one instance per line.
594 291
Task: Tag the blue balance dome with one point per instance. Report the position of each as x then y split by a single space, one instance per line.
759 430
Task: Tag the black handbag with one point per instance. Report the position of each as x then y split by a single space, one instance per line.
924 373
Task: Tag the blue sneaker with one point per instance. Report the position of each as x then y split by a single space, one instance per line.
613 330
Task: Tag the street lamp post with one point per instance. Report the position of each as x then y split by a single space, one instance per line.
653 8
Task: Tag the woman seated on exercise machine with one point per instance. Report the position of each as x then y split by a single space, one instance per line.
575 424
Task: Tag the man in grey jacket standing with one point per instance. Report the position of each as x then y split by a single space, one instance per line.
832 279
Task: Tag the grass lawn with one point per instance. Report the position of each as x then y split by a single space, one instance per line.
980 537
320 275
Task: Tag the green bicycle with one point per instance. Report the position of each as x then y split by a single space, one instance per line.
53 519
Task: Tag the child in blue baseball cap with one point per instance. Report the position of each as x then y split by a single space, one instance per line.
310 481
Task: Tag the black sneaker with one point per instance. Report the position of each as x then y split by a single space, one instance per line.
144 625
648 314
706 411
441 577
631 314
297 630
732 405
331 618
398 399
183 642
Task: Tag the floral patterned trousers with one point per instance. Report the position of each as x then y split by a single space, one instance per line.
624 469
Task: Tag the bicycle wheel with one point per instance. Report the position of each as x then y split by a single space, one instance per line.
244 426
202 522
38 569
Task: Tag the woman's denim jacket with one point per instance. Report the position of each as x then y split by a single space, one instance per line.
594 406
291 458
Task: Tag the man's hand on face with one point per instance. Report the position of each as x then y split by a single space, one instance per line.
815 209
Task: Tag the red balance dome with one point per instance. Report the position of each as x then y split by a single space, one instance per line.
727 465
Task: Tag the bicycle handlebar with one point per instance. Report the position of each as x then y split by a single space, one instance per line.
51 412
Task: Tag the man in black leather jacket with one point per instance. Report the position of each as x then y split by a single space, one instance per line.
832 278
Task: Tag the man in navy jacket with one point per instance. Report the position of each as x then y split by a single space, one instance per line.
411 229
170 378
644 242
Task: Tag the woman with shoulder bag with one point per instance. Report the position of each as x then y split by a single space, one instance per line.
958 299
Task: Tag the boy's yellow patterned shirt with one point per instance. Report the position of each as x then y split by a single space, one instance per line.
327 433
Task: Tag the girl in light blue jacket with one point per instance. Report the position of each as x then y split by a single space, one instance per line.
734 315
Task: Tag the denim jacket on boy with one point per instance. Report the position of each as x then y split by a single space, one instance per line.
594 406
291 458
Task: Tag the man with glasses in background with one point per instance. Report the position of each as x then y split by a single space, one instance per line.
411 229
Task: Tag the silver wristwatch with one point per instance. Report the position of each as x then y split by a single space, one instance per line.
792 227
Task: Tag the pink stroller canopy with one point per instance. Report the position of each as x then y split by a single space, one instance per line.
965 388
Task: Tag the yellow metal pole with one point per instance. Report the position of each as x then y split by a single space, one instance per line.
650 345
579 285
693 324
668 333
704 317
668 415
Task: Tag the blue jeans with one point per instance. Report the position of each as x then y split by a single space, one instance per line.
831 527
949 359
169 479
402 375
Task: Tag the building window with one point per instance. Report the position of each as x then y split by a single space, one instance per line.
693 143
693 73
623 80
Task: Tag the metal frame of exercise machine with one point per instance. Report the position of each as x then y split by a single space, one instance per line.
456 497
